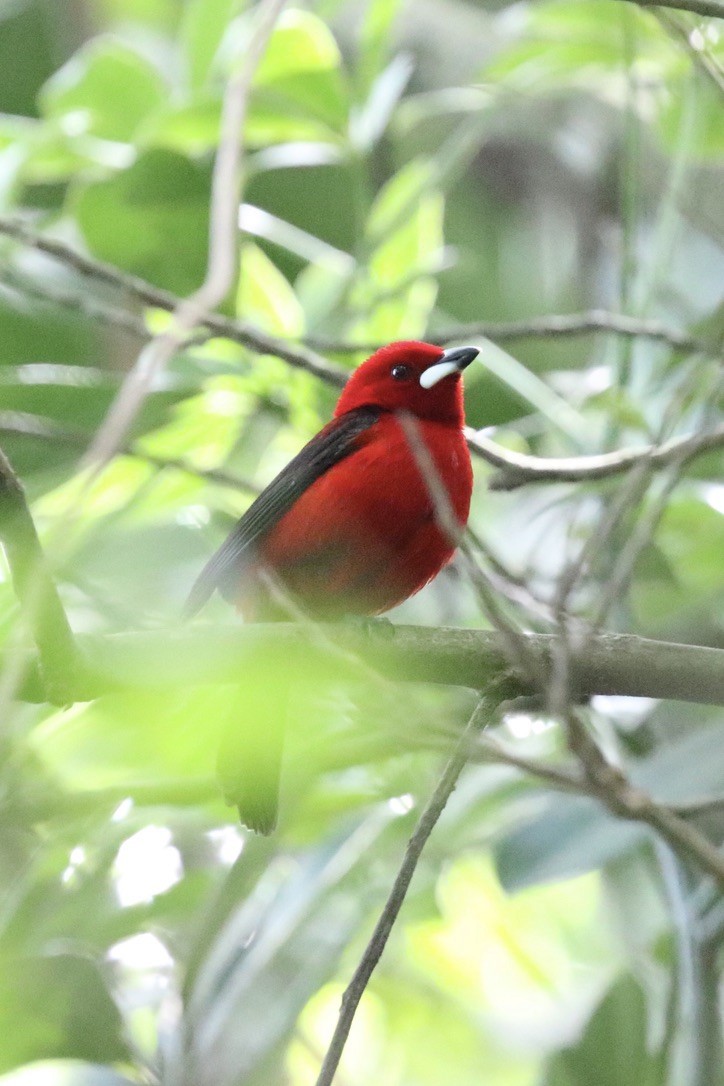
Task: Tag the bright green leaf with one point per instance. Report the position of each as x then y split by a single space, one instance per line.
106 90
151 219
264 297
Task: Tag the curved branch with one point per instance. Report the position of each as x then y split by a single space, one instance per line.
517 469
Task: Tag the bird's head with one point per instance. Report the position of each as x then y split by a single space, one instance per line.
411 376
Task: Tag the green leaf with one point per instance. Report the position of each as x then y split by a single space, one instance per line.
301 42
704 131
369 122
396 291
202 29
613 1050
127 737
375 37
189 129
105 90
264 296
568 837
64 1008
273 955
151 219
582 44
301 71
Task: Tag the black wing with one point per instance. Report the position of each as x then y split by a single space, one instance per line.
332 444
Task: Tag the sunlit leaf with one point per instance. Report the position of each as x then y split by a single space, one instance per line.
151 219
264 297
105 90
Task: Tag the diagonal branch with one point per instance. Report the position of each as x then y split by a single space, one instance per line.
625 800
225 198
374 949
146 294
307 356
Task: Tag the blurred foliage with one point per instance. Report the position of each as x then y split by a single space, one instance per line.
409 167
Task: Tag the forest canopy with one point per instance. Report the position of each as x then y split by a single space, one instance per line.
211 212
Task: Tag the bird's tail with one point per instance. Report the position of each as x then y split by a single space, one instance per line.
250 754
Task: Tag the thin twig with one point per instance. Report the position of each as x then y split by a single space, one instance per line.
222 259
488 749
75 302
549 325
147 294
625 800
554 325
34 587
517 648
517 469
374 949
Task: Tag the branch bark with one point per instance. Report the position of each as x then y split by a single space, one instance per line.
146 294
547 326
306 356
517 469
374 949
611 663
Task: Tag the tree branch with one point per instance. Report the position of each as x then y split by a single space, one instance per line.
146 294
39 599
374 949
306 356
611 663
625 800
226 188
517 469
558 325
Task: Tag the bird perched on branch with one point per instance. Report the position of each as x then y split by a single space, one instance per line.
352 525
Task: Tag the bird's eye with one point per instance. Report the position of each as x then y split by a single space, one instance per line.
400 373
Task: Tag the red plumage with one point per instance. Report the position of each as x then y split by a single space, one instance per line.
350 525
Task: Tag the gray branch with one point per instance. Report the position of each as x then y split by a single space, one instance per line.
375 947
144 293
517 469
611 663
547 326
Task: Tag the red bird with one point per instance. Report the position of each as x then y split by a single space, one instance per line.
349 525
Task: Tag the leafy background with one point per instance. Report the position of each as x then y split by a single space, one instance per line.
410 167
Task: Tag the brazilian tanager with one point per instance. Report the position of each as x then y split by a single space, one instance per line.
349 526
